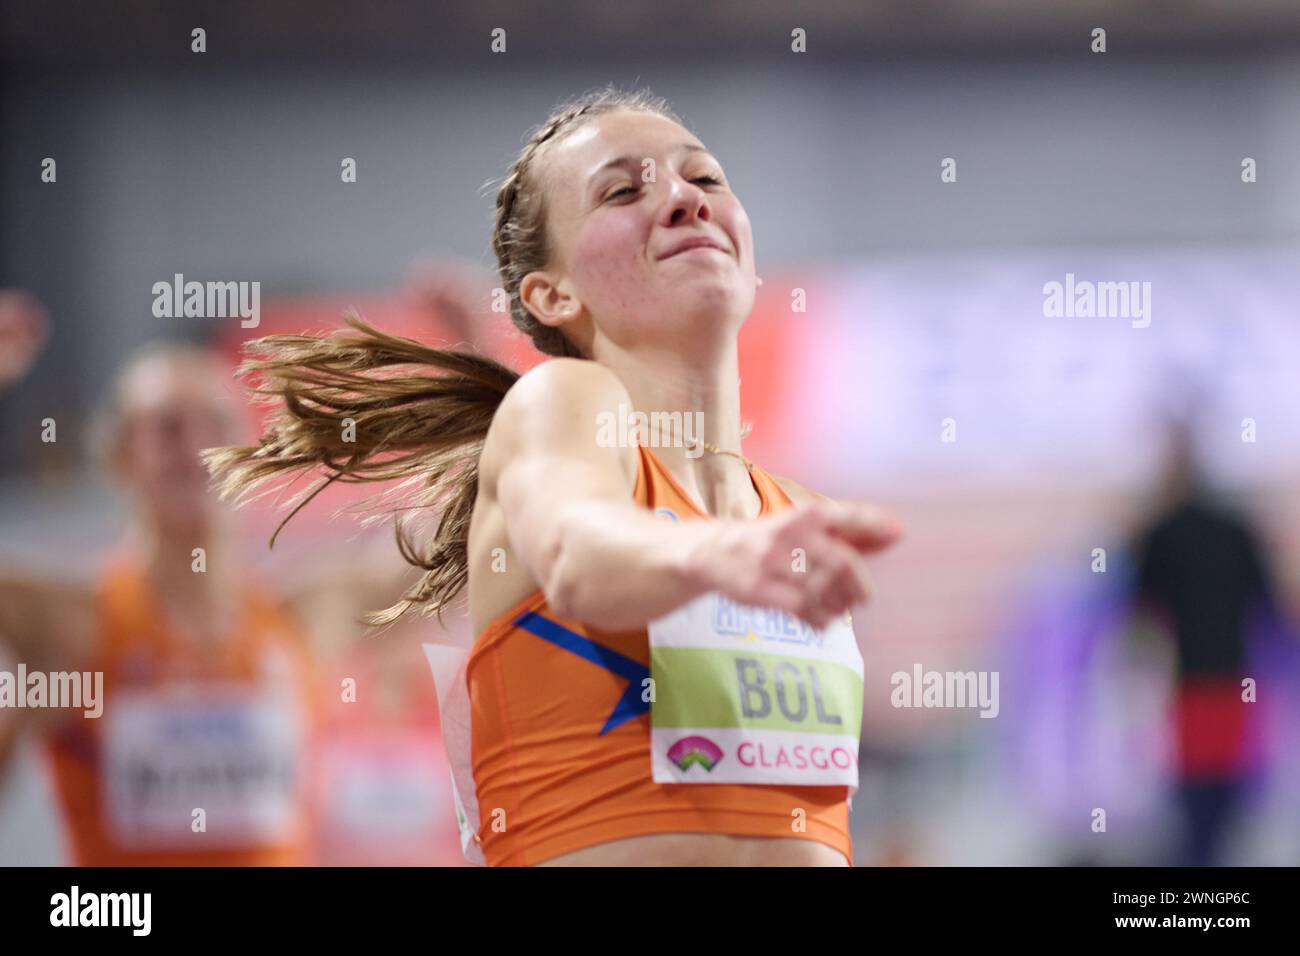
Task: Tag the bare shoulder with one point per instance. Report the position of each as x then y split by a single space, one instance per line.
797 492
566 378
554 408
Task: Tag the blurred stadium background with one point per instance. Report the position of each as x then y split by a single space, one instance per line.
924 302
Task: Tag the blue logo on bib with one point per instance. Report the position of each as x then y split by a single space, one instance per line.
767 624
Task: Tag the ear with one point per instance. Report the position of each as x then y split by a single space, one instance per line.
548 299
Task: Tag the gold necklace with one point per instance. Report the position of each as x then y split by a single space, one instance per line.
722 451
745 429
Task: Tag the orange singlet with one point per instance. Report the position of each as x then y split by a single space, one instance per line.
197 757
558 745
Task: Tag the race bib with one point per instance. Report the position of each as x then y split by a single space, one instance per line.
229 750
752 695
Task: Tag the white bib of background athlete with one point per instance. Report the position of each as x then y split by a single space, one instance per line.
751 695
230 750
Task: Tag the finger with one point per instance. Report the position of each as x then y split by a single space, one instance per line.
865 527
812 614
852 578
781 596
820 591
851 588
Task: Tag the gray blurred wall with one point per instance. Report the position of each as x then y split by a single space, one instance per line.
223 174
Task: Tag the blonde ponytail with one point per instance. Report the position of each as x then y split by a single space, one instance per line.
364 406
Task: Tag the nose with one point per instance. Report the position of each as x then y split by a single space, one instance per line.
687 202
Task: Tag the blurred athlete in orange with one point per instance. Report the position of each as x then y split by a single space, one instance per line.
664 672
201 752
197 755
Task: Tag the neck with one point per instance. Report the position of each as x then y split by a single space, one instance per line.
197 600
706 392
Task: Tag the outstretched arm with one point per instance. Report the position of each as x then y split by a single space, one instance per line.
47 626
603 560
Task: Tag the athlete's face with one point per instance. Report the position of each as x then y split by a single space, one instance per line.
624 192
174 406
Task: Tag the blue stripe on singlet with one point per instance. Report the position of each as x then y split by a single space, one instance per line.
630 705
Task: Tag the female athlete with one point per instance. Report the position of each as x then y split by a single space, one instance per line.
663 673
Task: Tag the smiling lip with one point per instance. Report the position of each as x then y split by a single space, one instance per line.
697 243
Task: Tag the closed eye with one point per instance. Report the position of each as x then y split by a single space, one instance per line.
707 180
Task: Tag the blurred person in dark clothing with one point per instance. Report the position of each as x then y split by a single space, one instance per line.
1201 570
